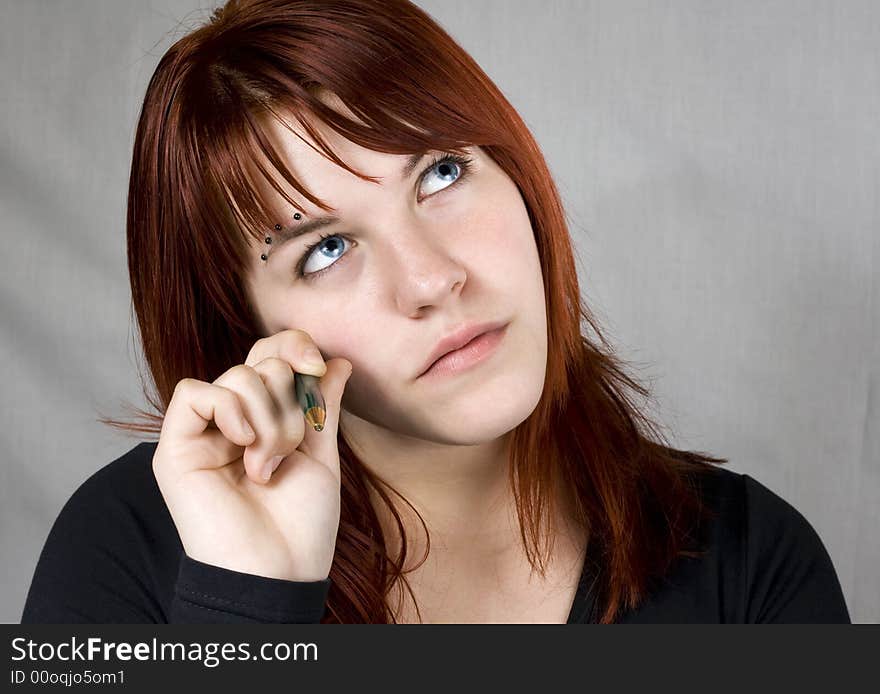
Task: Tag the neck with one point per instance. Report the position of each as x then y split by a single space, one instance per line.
461 492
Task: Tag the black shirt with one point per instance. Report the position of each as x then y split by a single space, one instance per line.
113 555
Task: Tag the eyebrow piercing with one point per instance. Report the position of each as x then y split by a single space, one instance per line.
264 257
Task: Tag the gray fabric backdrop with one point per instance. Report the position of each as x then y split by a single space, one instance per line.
719 164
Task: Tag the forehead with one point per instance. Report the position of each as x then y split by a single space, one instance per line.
320 175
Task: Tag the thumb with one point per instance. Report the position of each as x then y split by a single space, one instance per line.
321 445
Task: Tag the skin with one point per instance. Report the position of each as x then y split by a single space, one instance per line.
420 257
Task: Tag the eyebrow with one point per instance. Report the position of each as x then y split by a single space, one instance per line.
288 233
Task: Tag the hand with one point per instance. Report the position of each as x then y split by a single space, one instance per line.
249 484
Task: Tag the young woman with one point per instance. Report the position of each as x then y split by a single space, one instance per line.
336 189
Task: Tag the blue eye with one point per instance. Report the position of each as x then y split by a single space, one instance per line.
333 250
446 167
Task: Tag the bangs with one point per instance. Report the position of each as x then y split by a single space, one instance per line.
245 155
227 122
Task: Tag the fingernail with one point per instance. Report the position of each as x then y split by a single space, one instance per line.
270 467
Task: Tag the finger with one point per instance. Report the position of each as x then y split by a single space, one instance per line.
261 411
227 451
278 378
293 346
193 406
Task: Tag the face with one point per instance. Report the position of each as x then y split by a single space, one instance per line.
409 261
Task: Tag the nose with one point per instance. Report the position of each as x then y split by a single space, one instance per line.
423 272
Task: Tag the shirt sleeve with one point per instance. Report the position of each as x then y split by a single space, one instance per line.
789 575
211 594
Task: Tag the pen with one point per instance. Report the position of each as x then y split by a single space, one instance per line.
310 399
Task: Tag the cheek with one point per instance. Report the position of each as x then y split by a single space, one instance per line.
339 336
511 261
500 239
375 359
343 335
335 335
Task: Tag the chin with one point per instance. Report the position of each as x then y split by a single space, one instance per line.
486 415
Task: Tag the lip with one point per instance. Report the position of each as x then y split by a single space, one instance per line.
449 352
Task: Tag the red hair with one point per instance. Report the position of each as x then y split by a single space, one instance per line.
192 201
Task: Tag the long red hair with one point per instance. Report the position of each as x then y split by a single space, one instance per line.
192 201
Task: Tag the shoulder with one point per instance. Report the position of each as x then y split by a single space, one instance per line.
112 551
789 573
122 492
775 561
120 502
759 523
127 477
745 508
124 475
760 561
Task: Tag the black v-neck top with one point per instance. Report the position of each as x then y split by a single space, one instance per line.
114 555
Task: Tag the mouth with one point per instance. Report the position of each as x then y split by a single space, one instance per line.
474 351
